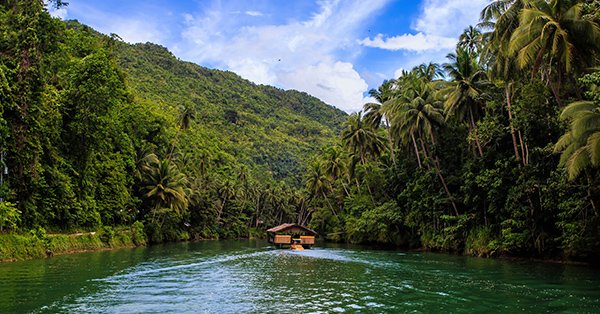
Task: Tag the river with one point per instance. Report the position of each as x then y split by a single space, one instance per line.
241 276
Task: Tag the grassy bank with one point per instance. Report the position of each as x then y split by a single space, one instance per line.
39 244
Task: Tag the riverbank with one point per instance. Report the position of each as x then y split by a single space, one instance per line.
39 244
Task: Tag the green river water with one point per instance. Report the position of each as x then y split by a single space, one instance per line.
251 277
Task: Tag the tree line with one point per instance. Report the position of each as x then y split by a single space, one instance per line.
494 152
96 133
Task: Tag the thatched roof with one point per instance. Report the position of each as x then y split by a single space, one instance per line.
292 228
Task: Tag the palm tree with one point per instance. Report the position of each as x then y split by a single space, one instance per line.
144 161
300 201
502 18
471 39
187 115
557 34
428 71
361 138
226 191
580 146
374 112
317 184
334 164
165 187
466 91
419 113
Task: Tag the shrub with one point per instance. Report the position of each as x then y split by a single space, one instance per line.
9 215
138 236
107 234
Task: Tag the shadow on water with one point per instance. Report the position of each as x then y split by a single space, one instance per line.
250 276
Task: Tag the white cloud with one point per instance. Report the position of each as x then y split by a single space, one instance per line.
435 32
133 28
437 28
136 31
254 13
298 54
335 83
254 70
417 42
448 17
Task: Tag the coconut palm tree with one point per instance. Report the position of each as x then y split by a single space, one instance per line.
555 34
226 191
428 71
465 93
361 138
471 39
419 113
502 18
165 187
580 146
334 163
373 114
317 184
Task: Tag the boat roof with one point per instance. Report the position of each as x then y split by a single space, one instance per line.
293 228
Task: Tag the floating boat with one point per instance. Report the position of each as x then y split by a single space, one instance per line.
294 236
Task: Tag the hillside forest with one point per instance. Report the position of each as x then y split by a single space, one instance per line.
494 152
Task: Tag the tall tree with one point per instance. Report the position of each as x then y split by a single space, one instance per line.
317 184
164 186
361 138
466 92
374 112
557 36
419 113
471 39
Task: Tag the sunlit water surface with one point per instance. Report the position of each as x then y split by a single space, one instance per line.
251 277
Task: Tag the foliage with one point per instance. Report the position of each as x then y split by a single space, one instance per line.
9 216
486 180
137 233
107 234
97 133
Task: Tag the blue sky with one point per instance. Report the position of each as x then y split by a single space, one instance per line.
333 49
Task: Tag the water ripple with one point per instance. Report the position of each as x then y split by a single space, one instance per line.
238 277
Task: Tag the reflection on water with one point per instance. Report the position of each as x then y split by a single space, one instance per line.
250 276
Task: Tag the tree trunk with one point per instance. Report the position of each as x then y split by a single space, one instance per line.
425 154
556 87
345 188
589 191
257 211
436 164
391 141
329 203
524 147
510 121
416 150
474 130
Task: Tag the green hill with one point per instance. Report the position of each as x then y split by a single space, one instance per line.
261 126
96 132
